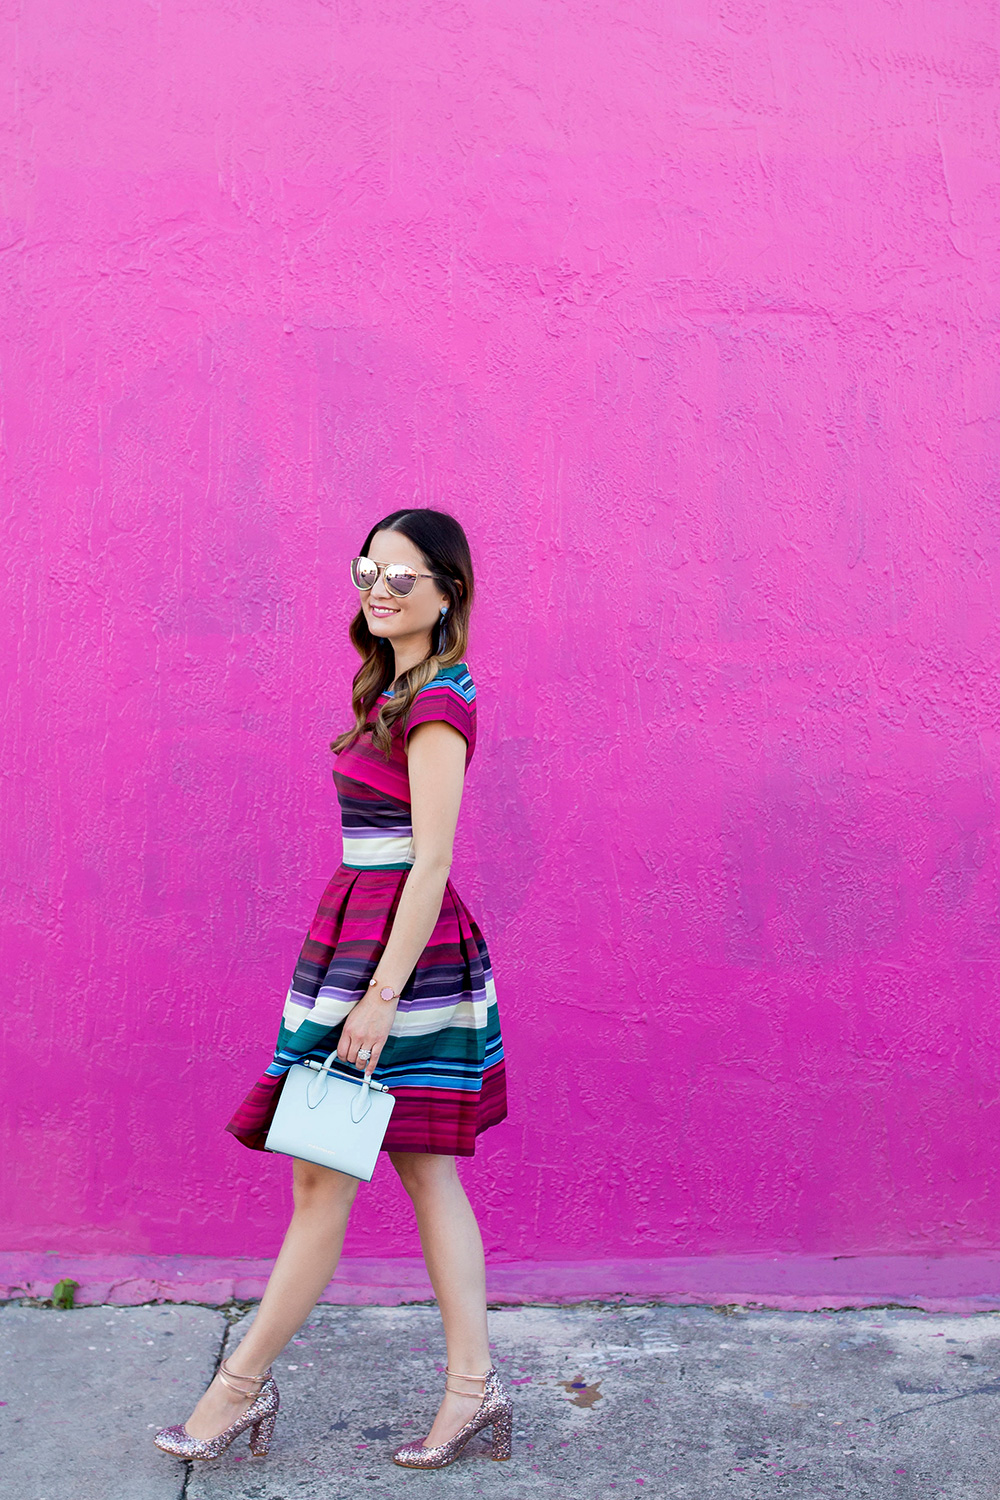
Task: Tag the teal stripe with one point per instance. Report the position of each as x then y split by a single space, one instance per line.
405 866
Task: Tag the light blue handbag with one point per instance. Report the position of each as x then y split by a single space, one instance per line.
330 1118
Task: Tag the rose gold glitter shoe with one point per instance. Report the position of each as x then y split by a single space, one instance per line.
496 1411
260 1417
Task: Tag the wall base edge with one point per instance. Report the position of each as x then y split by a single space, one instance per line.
945 1283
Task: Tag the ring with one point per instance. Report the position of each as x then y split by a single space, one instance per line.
365 1054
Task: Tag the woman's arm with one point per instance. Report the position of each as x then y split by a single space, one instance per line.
436 762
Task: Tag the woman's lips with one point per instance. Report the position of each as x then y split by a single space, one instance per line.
382 611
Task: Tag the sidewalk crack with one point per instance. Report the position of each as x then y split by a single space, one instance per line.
220 1356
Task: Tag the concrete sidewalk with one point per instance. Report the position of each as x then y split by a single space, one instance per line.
610 1401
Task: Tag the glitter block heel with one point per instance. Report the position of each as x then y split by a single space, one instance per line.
495 1410
261 1435
503 1429
259 1418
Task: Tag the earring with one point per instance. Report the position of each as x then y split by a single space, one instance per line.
442 632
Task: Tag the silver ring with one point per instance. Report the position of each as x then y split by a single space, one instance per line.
364 1055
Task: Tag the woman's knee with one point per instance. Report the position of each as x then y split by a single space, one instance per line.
319 1187
420 1172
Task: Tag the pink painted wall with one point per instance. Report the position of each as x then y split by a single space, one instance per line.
689 312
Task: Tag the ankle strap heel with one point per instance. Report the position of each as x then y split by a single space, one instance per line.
257 1419
494 1411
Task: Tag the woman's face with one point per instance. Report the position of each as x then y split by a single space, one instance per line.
398 620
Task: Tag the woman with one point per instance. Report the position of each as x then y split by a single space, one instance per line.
395 974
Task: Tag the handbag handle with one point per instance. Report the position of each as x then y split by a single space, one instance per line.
359 1106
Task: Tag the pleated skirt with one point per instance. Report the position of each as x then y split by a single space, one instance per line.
443 1061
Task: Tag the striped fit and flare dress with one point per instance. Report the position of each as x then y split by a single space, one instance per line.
443 1060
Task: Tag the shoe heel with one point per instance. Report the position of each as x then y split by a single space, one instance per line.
503 1428
261 1434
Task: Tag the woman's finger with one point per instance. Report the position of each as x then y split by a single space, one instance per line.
372 1062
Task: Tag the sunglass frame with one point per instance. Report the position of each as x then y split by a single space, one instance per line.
382 569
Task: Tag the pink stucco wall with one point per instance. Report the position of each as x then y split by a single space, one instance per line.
686 310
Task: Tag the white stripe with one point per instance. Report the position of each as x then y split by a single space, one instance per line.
470 1015
370 853
326 1012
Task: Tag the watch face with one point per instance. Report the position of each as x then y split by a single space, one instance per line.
387 992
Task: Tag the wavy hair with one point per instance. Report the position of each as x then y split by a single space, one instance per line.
445 550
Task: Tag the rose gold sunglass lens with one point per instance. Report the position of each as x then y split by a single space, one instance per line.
399 579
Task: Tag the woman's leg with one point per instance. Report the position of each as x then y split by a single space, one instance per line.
453 1251
307 1260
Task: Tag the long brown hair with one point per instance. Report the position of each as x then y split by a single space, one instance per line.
445 549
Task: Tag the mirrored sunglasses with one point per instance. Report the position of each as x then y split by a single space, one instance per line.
398 578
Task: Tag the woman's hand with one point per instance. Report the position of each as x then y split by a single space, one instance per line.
367 1026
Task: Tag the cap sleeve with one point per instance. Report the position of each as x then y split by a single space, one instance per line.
450 696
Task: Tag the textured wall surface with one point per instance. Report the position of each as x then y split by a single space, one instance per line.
686 311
